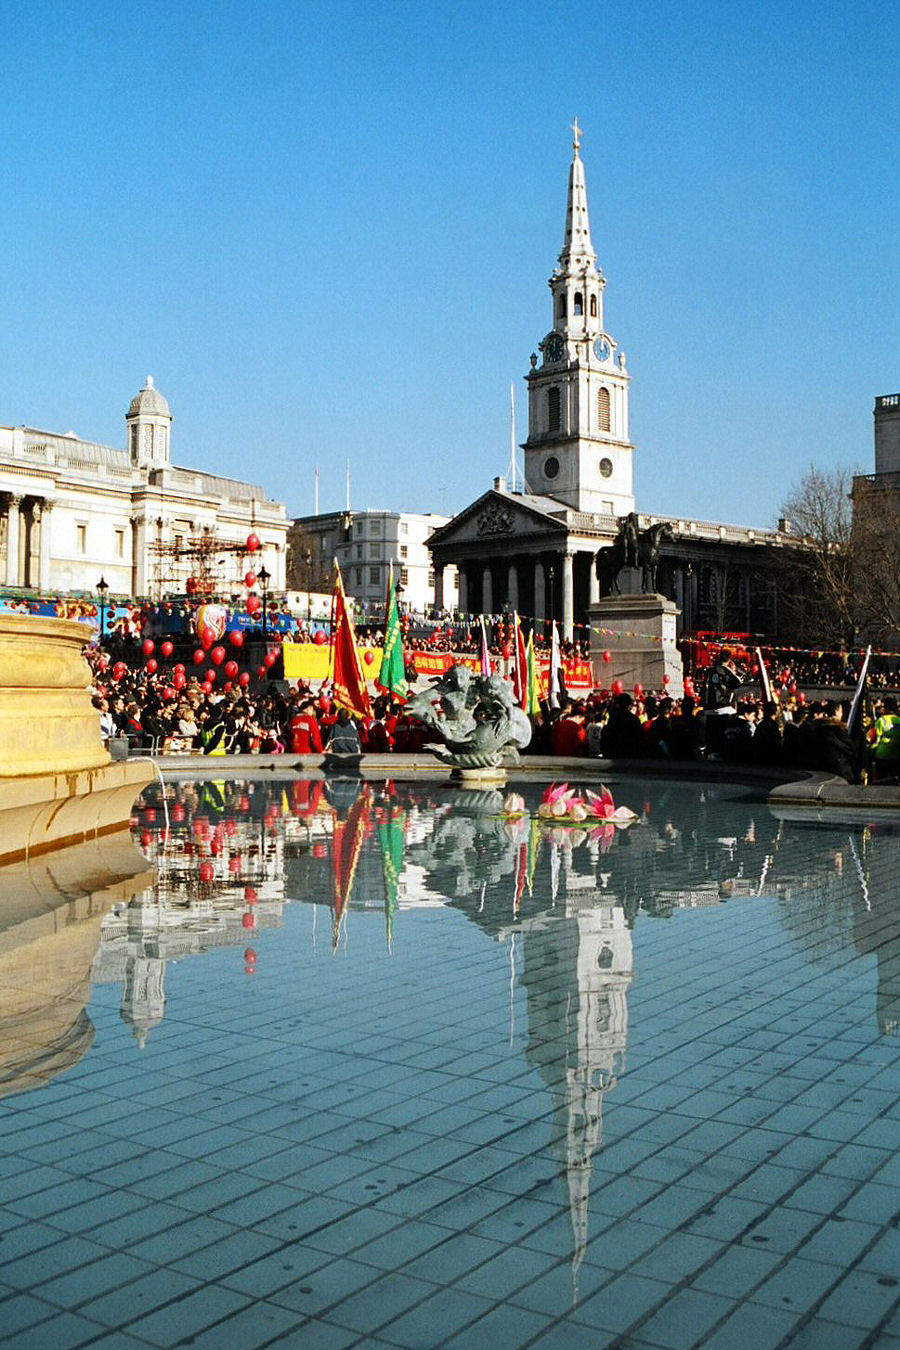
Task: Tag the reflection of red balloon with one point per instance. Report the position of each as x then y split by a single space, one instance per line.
199 657
250 954
231 669
153 665
368 657
146 838
254 604
179 669
250 580
234 865
167 649
251 895
149 646
607 657
618 687
321 638
207 871
236 638
252 543
244 679
217 655
248 920
801 697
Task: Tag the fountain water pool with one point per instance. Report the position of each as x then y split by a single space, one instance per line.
371 1064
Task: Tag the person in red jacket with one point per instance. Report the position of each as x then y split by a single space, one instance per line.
306 739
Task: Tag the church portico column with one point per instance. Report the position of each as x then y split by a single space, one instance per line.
13 532
540 591
512 586
568 597
462 600
487 590
593 583
439 586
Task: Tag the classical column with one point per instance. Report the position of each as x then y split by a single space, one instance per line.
439 585
12 541
462 601
139 554
487 590
568 598
46 552
26 521
593 583
540 599
512 586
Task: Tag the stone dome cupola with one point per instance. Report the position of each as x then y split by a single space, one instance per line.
149 424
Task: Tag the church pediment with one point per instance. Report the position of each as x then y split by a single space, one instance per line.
498 517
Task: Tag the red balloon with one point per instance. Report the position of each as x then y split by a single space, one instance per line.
244 679
667 679
207 638
179 669
179 679
248 920
368 657
607 657
261 672
639 691
228 686
507 651
211 677
199 657
254 604
231 669
250 894
249 580
168 693
321 638
618 687
252 543
269 659
119 670
167 649
217 655
149 646
801 697
234 864
152 665
236 638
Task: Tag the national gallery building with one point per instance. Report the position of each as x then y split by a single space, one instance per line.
533 550
72 511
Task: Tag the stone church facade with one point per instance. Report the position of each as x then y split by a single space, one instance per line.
533 549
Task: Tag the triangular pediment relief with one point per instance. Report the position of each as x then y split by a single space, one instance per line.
496 516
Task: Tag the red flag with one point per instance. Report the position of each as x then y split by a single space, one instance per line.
350 690
520 666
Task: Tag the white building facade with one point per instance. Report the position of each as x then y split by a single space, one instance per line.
72 511
364 544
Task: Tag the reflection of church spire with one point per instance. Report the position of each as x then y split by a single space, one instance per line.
143 995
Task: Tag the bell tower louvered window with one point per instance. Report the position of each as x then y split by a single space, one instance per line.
603 415
553 410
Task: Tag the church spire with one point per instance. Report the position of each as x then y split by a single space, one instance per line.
577 251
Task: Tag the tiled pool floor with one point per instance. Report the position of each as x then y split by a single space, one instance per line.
640 1092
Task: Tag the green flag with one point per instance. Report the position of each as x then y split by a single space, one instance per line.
392 675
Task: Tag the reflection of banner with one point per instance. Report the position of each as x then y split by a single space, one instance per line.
306 661
348 841
390 836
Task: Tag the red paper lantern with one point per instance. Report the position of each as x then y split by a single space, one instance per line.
199 657
231 669
320 638
149 646
249 580
618 687
152 665
244 679
252 543
236 638
607 657
217 655
167 649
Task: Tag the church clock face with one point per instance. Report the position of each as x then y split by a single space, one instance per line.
602 349
554 348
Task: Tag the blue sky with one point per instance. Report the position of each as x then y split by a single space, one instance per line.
326 230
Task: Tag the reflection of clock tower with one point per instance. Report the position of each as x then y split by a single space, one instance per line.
578 448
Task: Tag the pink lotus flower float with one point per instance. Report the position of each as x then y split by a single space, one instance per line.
562 805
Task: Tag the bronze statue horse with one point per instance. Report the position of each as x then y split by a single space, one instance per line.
622 552
649 546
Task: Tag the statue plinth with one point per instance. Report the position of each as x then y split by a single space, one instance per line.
638 631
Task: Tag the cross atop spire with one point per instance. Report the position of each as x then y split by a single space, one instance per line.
579 132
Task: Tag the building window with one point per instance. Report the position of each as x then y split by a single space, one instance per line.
603 421
120 543
431 577
359 576
404 527
553 413
81 538
593 306
404 576
562 306
551 466
606 467
374 576
375 528
579 303
404 551
359 550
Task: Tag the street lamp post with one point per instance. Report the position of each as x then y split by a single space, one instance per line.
263 574
102 588
308 559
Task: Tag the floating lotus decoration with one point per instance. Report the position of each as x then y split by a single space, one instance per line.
562 805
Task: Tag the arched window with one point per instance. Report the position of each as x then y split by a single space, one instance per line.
593 306
579 303
553 409
562 307
603 422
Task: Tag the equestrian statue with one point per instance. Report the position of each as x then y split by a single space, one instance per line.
632 548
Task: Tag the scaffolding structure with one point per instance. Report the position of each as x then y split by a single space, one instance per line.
201 565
